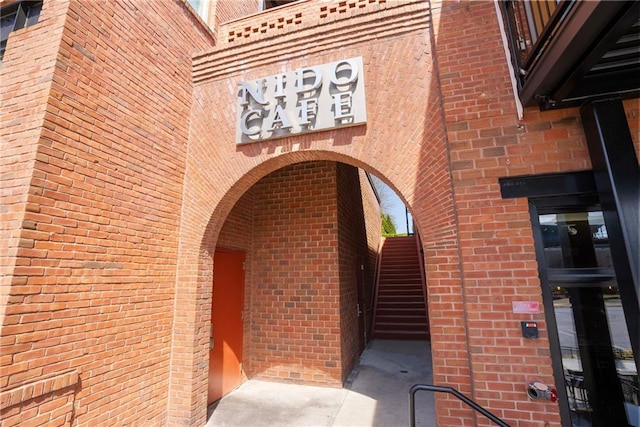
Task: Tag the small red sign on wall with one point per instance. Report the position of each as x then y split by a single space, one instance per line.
526 307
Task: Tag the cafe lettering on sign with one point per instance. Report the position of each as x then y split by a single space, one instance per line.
305 100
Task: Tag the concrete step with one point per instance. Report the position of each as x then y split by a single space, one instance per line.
402 335
401 289
416 284
395 319
395 296
401 326
400 306
388 303
401 312
402 270
403 294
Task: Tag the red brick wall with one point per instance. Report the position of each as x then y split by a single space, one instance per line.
22 110
353 258
228 10
25 331
117 195
295 299
632 108
373 226
291 270
93 283
498 265
219 171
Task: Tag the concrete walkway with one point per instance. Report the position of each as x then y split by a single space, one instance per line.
377 394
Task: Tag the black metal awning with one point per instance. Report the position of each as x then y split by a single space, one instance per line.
575 50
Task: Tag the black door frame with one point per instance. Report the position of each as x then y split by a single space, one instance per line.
603 388
614 181
617 179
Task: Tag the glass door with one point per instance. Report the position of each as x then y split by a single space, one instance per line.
588 333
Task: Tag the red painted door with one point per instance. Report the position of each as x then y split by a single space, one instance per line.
225 354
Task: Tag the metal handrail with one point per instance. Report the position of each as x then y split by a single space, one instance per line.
456 393
376 285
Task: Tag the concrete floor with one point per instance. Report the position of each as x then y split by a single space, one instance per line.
376 394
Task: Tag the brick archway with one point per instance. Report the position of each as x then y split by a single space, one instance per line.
194 298
403 141
432 210
308 230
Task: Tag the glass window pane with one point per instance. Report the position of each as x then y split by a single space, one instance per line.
33 14
199 6
572 363
6 25
557 228
195 4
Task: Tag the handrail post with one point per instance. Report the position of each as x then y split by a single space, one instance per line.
456 393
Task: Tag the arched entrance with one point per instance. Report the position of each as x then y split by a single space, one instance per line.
310 188
408 150
310 232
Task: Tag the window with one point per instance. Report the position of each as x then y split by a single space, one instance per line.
202 7
16 16
589 336
592 317
270 4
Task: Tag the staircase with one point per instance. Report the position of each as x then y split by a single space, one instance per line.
400 308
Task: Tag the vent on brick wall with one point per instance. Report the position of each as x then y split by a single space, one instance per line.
345 6
275 23
290 19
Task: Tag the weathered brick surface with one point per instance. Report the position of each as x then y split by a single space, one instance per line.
373 226
96 146
118 182
219 172
295 297
356 269
22 110
48 401
486 141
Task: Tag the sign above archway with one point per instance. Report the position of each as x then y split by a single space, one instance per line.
308 99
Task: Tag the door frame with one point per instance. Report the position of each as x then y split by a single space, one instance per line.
563 188
241 253
570 191
558 205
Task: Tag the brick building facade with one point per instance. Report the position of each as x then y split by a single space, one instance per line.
121 176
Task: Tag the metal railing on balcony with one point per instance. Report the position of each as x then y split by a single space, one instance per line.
530 26
564 52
